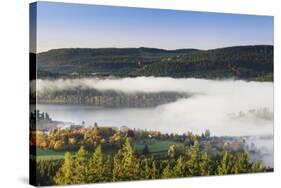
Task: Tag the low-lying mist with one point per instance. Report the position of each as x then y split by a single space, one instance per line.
225 107
210 106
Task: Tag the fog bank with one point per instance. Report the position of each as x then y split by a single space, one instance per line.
151 84
208 108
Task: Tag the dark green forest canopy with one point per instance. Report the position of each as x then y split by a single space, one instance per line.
240 62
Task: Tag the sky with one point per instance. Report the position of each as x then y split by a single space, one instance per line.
66 25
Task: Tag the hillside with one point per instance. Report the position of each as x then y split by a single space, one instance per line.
114 61
242 62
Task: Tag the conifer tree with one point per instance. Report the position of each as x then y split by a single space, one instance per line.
65 173
193 162
242 164
96 166
130 166
180 168
257 167
80 166
154 171
145 150
167 172
126 165
147 170
205 165
108 166
225 165
117 167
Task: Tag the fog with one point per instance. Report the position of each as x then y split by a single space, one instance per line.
265 148
210 107
154 84
225 107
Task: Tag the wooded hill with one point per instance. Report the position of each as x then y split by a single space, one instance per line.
241 62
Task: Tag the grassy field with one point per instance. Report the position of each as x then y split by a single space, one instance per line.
156 147
49 154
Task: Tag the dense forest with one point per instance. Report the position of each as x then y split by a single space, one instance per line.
102 154
125 165
241 62
103 61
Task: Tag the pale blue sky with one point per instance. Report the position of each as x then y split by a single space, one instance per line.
65 25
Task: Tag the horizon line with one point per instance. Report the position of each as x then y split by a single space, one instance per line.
154 48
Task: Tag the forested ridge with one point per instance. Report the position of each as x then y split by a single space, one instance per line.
241 62
104 61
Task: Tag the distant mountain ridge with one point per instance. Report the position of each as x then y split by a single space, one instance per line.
242 62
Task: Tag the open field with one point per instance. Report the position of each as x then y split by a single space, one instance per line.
49 154
156 147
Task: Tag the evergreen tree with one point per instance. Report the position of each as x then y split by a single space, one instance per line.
154 171
205 165
96 166
193 163
145 150
130 164
145 170
126 165
80 166
117 167
257 167
167 172
108 166
65 173
46 170
180 168
242 164
225 165
147 173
